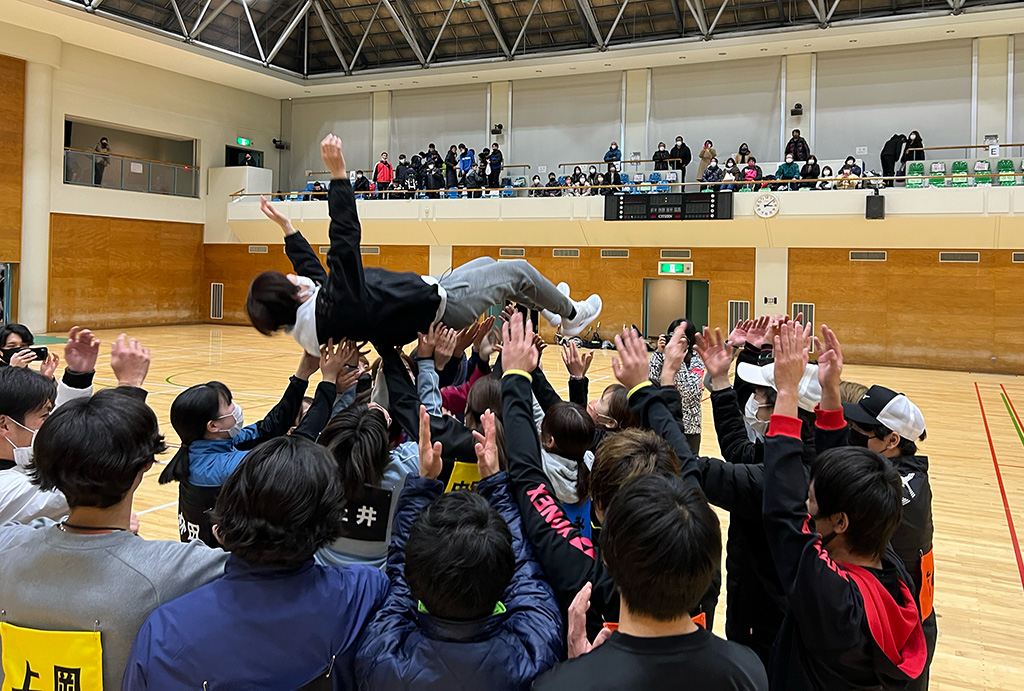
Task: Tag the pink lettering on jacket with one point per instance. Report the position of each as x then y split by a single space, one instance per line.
548 509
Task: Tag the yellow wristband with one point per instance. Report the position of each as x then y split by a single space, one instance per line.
639 386
521 373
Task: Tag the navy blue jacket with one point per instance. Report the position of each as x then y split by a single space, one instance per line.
258 628
405 649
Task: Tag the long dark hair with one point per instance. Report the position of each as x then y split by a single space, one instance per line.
691 337
358 439
191 411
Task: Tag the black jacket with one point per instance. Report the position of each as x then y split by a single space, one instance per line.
496 159
682 152
433 180
360 185
474 180
660 160
799 149
371 304
893 147
913 155
839 616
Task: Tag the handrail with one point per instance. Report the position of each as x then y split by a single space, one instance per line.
957 148
638 160
130 158
237 193
327 172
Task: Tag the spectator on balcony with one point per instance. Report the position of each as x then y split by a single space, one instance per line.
361 184
475 181
730 173
680 157
247 161
383 173
743 155
825 183
890 154
706 154
612 177
848 179
798 148
402 171
102 160
712 173
554 188
433 181
537 189
592 176
788 170
466 158
752 173
318 192
613 153
661 157
578 178
852 163
434 156
600 188
810 172
913 142
451 167
496 161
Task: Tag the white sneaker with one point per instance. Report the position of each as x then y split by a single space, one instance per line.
586 312
556 319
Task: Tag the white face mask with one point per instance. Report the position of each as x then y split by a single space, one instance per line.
236 413
679 142
614 147
661 148
789 160
760 427
23 454
306 286
712 165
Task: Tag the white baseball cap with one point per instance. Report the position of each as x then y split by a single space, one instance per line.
882 406
809 391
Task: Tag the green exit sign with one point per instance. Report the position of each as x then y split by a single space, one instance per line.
675 269
244 142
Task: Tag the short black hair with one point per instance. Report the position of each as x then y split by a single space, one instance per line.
866 487
273 302
359 441
662 544
282 505
23 391
459 557
906 447
624 455
92 449
19 330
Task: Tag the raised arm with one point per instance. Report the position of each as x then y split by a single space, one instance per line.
304 260
282 416
345 280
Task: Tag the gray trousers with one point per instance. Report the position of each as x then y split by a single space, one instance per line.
476 286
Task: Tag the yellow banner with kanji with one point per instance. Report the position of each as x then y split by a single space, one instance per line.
464 476
35 660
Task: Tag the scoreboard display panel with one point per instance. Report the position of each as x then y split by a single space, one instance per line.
678 206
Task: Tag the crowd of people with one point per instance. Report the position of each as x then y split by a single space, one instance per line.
443 519
428 171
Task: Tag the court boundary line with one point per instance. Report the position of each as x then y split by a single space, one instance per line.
1002 489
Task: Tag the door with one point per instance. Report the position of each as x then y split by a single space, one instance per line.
664 302
697 302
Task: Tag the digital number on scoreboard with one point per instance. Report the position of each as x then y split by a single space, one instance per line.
704 206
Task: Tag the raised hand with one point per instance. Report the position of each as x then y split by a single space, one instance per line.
792 346
485 330
331 361
276 216
81 351
307 366
487 446
426 342
662 342
518 351
130 361
430 454
334 159
675 355
758 332
577 638
830 368
631 367
22 358
739 334
445 347
49 366
576 363
717 356
467 337
352 351
539 343
348 377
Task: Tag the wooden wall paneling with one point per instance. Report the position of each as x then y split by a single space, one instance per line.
113 272
12 142
235 267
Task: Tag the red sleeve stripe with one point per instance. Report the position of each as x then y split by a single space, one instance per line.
829 419
784 426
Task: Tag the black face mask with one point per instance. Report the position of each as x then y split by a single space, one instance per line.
858 439
825 539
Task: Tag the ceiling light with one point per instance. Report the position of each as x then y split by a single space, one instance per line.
537 71
306 91
359 87
415 82
373 86
951 31
807 45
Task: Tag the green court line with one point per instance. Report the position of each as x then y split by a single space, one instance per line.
49 340
1013 418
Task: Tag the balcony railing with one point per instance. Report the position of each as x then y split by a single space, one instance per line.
118 172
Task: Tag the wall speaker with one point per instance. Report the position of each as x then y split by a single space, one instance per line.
876 208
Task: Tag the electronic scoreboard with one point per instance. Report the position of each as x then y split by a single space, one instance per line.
680 206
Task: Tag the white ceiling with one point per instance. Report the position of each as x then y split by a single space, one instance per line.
76 27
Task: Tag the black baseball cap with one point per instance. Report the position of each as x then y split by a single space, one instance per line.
882 406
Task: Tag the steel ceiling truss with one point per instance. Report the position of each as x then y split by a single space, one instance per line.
349 36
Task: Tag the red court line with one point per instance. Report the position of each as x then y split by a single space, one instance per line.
999 479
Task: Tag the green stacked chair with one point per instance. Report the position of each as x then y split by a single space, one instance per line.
938 176
959 169
915 175
1006 173
983 173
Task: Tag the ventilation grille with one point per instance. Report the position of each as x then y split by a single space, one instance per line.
216 301
868 256
808 311
565 253
739 310
257 249
369 249
675 254
324 249
614 254
1018 257
512 252
968 257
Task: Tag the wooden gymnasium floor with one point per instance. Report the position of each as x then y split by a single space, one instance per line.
975 443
